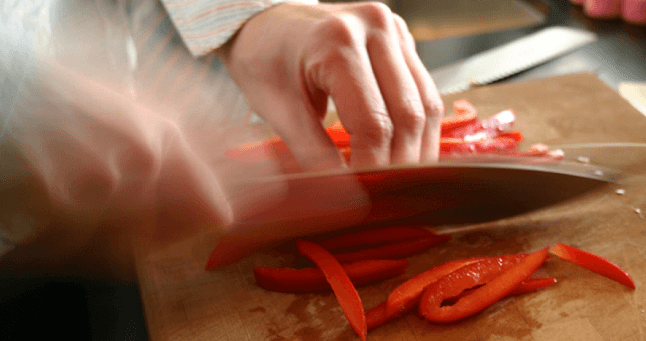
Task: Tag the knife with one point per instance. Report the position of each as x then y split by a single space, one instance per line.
509 59
454 191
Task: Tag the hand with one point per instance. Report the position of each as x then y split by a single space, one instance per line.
632 11
100 171
290 58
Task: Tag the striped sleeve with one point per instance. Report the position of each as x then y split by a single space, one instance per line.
205 25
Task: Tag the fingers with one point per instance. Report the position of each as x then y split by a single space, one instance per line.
341 68
397 85
632 11
429 96
384 94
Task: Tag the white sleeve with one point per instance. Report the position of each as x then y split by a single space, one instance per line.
205 25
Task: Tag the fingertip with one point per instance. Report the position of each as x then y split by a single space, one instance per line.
602 9
634 11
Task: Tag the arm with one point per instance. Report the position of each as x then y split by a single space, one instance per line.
205 25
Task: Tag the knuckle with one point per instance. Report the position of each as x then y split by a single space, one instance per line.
377 15
337 31
380 130
412 118
434 109
404 33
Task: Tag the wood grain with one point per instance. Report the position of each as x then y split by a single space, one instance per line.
184 302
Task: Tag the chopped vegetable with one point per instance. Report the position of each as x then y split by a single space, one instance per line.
406 296
484 129
499 276
392 251
465 113
376 236
593 262
343 288
532 284
379 315
313 280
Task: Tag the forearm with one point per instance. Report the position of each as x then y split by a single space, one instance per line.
206 25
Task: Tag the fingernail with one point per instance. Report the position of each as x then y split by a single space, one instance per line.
634 11
603 8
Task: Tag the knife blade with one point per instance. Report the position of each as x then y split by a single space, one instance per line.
509 59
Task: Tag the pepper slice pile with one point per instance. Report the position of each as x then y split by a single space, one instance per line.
462 134
446 293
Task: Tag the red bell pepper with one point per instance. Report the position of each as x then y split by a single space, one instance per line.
485 129
270 148
406 296
465 113
379 315
343 288
500 278
392 251
529 285
376 236
514 135
496 145
532 284
593 262
313 280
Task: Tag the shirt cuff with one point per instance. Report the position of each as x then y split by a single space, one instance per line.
205 25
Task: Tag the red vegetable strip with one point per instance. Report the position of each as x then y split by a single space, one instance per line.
593 262
499 280
264 149
532 284
392 251
496 145
406 296
514 135
529 285
379 315
376 236
485 129
343 288
313 280
465 113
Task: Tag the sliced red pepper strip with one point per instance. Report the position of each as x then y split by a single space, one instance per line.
407 295
532 284
392 251
465 113
343 288
485 129
266 149
376 236
313 280
452 145
499 280
379 315
514 135
529 285
593 262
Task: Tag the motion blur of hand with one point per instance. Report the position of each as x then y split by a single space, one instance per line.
632 11
290 58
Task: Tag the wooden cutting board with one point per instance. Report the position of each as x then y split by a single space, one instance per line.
184 302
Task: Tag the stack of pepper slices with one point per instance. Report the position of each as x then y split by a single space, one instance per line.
446 293
462 134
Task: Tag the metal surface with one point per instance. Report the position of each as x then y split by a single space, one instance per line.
458 191
509 59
